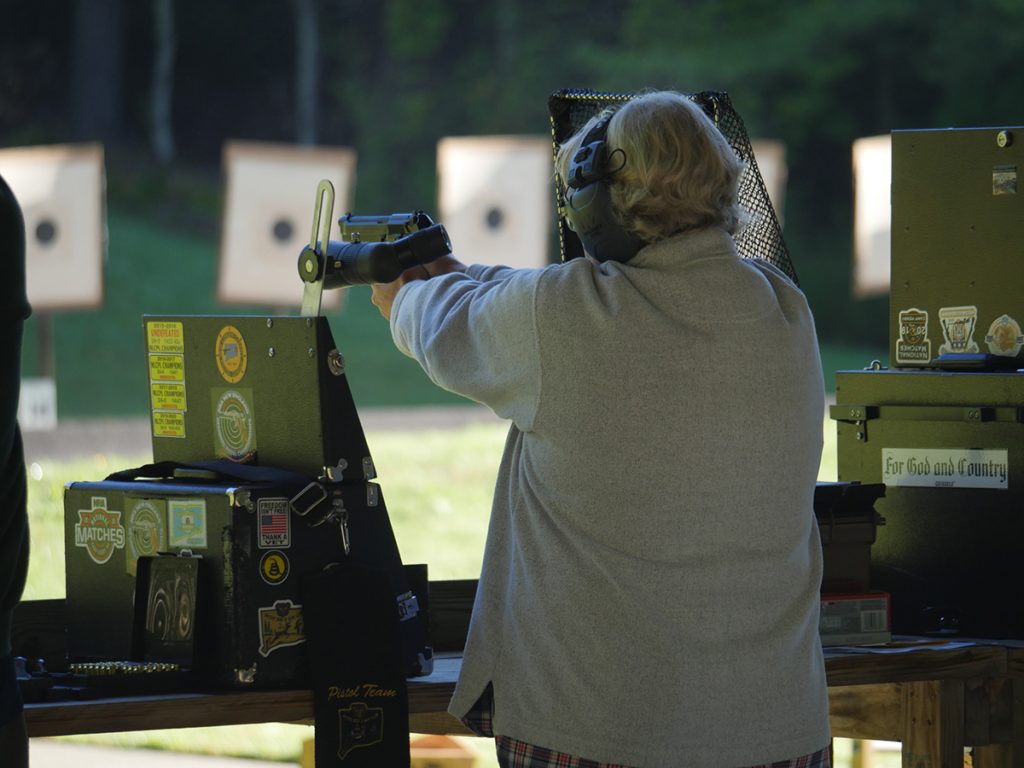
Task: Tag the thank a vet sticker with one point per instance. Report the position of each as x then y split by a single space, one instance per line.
147 531
913 344
958 330
187 523
280 626
99 530
1004 337
274 523
234 424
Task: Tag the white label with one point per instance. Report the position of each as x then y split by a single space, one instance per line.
37 408
946 468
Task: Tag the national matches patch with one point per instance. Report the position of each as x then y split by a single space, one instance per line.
913 344
99 530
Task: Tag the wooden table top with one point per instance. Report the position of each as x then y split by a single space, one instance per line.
429 696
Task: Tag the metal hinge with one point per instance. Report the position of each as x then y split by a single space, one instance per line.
858 415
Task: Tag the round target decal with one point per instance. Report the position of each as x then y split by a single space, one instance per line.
234 425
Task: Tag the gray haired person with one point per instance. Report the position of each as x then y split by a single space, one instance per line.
650 586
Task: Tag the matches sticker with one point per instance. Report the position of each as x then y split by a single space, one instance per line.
913 345
99 530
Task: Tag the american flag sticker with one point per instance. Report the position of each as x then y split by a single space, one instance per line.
274 523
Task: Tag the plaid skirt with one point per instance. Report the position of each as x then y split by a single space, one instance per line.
513 753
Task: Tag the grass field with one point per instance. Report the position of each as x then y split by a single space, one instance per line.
438 486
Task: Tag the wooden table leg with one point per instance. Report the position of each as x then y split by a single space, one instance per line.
933 724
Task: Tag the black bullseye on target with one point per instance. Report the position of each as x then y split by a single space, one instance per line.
494 218
46 231
283 230
494 194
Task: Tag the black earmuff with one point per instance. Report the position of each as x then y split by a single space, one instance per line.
588 203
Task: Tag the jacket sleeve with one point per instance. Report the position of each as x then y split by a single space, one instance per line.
475 338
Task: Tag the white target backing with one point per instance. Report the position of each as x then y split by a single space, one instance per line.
268 218
872 178
494 198
60 189
771 162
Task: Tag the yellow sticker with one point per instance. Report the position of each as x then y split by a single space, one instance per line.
168 424
167 397
231 354
165 337
274 567
281 625
167 368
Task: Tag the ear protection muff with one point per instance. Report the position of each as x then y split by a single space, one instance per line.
588 206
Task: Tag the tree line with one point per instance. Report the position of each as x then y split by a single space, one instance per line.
171 80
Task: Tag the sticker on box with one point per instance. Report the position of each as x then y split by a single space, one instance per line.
1004 180
281 626
165 336
234 424
274 567
168 424
99 530
147 531
1004 337
957 325
167 396
167 368
274 516
231 354
946 468
187 523
913 345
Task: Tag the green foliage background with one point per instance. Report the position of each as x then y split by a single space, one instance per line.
395 76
